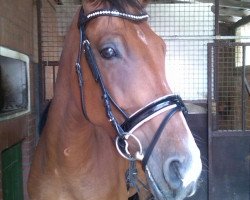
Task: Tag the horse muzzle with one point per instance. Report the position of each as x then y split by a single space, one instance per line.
176 177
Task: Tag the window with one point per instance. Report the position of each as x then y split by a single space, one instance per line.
243 34
14 84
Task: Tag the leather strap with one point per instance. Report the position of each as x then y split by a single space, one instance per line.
157 135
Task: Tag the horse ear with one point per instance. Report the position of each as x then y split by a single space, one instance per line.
144 3
89 5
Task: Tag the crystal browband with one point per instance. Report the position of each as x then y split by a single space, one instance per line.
116 13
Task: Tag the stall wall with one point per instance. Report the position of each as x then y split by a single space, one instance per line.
18 32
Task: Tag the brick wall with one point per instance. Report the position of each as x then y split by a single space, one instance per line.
18 32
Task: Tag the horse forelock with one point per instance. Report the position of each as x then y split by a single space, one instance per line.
123 5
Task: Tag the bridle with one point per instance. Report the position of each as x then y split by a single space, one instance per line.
172 103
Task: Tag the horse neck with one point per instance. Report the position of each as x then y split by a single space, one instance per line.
66 102
66 119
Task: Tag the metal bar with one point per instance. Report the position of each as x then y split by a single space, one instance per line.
210 128
54 79
209 86
230 133
243 88
41 75
216 17
215 81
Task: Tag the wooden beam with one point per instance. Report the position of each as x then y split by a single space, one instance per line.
242 22
230 3
229 19
226 11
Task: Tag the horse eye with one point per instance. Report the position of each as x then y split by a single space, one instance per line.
108 53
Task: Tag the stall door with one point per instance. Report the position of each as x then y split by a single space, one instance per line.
229 121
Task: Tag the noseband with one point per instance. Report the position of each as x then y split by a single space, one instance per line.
170 103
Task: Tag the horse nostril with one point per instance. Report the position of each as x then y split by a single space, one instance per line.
172 174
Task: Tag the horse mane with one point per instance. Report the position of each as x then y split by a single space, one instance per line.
123 5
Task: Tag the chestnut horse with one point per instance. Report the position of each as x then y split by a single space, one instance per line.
113 122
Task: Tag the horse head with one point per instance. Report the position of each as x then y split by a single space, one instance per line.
122 102
130 75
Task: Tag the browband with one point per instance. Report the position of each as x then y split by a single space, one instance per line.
84 19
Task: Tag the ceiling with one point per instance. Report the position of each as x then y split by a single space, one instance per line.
230 11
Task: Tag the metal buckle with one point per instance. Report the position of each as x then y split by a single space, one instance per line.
127 155
86 42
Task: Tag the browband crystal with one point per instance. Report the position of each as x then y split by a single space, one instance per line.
116 14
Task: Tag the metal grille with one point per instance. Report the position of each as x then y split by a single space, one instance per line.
174 20
186 27
229 96
55 20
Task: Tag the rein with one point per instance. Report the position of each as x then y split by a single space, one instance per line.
171 103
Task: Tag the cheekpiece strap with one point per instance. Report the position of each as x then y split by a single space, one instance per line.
82 18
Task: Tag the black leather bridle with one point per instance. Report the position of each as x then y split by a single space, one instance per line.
172 103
